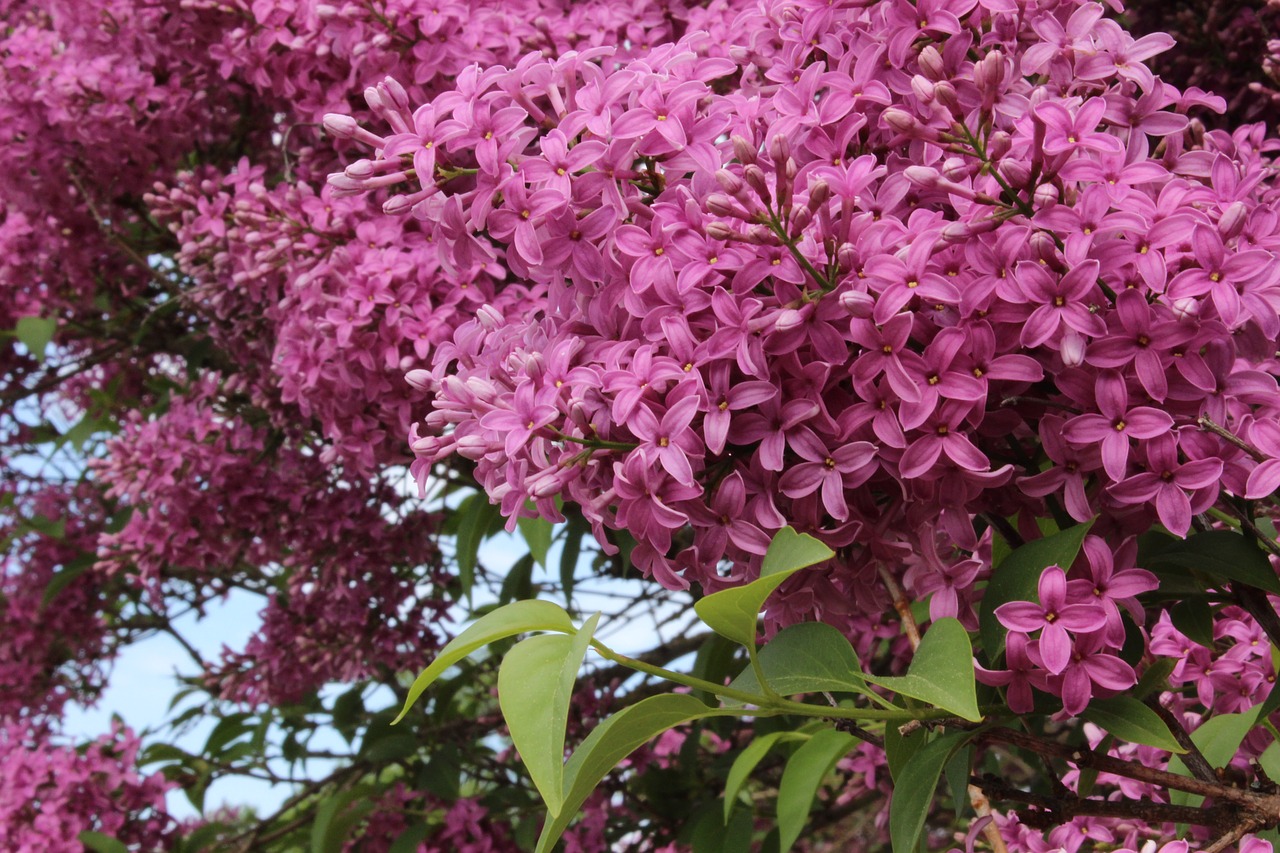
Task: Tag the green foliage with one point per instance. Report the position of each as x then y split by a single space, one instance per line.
914 789
803 777
1128 719
941 673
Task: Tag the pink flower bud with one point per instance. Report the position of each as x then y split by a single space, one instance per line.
721 205
999 144
1186 308
755 178
1046 195
1015 172
730 182
360 169
788 319
743 150
931 63
719 231
945 93
923 89
901 121
819 192
398 205
925 177
489 317
956 168
779 148
858 303
340 126
1072 349
1233 220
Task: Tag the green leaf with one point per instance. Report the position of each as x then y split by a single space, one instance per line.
35 333
790 551
518 584
612 741
576 528
1193 617
803 776
100 843
537 535
1218 739
941 673
476 516
535 684
957 773
732 613
714 662
746 762
68 573
913 792
410 841
810 657
336 815
516 618
899 748
1128 719
1223 555
1017 577
1267 708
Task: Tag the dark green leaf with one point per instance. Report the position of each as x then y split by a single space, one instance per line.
1129 719
913 791
803 776
516 618
68 573
957 773
1017 577
899 749
475 518
535 684
410 840
1193 617
336 815
100 843
941 673
518 584
1223 555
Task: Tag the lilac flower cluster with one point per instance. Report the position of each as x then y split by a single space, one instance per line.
830 297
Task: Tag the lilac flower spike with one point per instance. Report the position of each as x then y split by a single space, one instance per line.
1053 617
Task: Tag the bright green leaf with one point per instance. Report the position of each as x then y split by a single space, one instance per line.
810 657
913 791
1224 555
612 741
732 613
99 843
535 684
35 333
746 763
790 551
803 776
941 673
1131 720
1017 577
516 618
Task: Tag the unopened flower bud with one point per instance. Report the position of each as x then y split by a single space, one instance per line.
779 148
801 216
743 150
755 178
721 205
999 144
395 94
988 75
901 121
931 63
1233 220
945 93
1043 249
489 317
360 169
719 231
922 88
819 192
340 126
1015 172
1046 195
731 183
397 205
419 379
1186 308
955 168
1072 349
788 319
858 303
472 447
925 177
